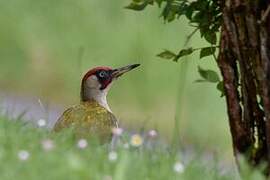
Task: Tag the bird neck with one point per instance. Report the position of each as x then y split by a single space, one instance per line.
100 96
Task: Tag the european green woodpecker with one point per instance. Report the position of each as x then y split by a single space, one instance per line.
93 116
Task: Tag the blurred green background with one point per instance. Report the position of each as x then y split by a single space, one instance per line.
46 47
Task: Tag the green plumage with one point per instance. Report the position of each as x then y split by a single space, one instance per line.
88 119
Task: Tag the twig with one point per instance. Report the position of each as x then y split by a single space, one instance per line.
265 14
190 35
195 49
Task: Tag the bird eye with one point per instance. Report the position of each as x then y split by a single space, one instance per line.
102 74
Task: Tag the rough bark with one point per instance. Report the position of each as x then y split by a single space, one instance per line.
244 61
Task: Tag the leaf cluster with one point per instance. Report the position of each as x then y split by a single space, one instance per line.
204 52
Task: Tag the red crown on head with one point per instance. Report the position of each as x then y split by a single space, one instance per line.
93 71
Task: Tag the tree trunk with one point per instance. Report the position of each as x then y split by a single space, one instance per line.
244 61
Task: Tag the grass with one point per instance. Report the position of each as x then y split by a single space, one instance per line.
65 160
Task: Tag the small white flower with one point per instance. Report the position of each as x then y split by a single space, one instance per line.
136 140
179 167
112 156
41 122
152 133
82 143
117 131
47 144
23 155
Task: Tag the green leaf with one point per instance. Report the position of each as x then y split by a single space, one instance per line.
220 87
171 16
198 17
185 52
159 2
167 54
151 2
208 75
137 6
189 11
166 11
207 51
211 37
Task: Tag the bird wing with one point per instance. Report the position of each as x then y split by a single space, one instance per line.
88 118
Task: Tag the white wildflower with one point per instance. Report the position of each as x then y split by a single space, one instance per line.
82 144
117 131
112 156
152 133
41 122
179 167
23 155
47 144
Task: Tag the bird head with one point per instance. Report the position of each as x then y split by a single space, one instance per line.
97 82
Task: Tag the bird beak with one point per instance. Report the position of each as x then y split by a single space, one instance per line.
120 71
